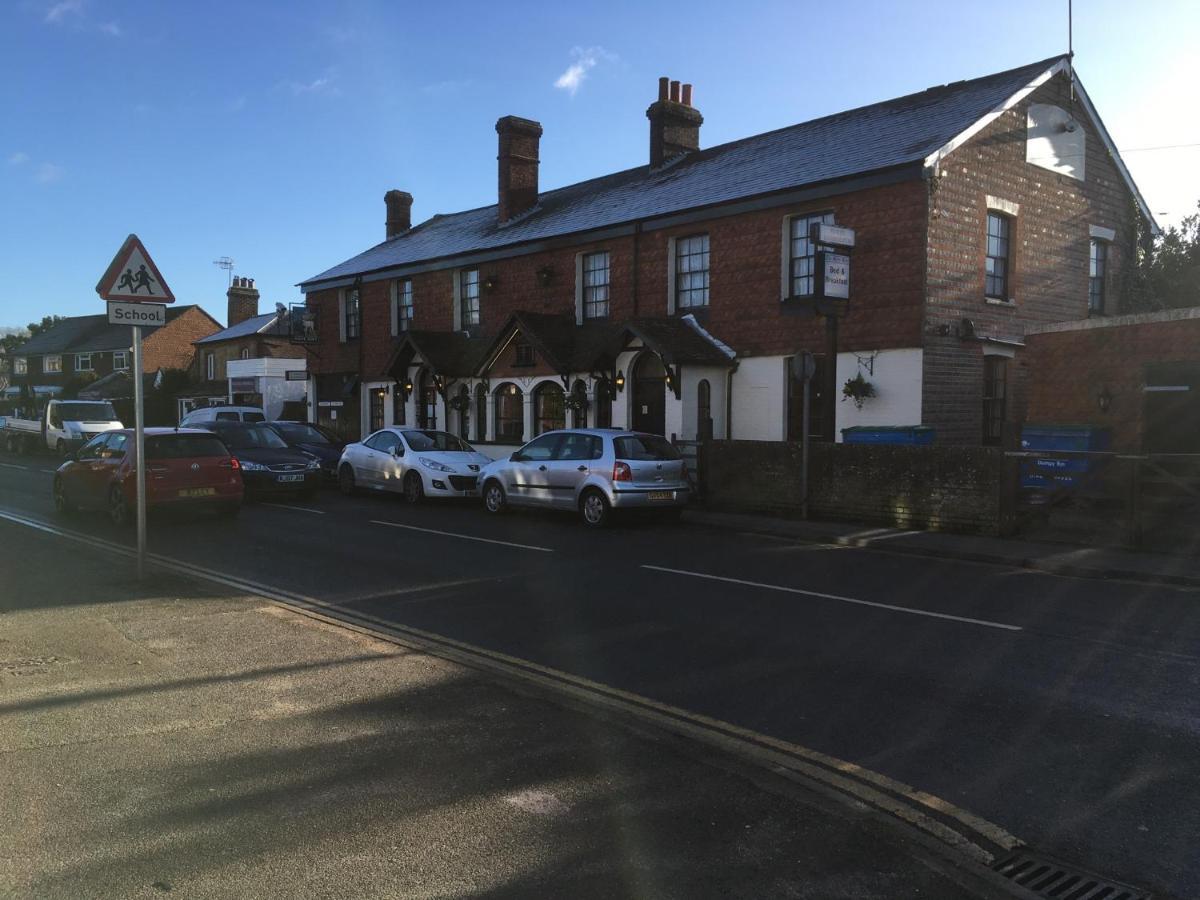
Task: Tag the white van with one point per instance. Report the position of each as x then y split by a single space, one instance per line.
199 417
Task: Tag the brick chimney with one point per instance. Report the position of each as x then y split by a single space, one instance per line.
399 212
674 122
243 301
518 156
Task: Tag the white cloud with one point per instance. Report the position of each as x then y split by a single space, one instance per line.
18 158
48 173
585 60
112 29
62 11
323 86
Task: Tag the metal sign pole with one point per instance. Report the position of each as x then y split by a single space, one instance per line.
804 449
139 444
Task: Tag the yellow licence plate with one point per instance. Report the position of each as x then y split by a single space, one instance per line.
662 495
197 492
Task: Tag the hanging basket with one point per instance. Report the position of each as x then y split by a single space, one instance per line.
858 389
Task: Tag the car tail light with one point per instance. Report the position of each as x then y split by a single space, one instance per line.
231 463
622 472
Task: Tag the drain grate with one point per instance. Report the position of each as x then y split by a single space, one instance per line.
1050 878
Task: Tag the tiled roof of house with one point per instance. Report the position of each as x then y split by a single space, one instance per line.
245 328
86 334
872 138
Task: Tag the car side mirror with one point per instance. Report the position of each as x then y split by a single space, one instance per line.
517 457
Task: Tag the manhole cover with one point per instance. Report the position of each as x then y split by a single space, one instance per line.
1051 878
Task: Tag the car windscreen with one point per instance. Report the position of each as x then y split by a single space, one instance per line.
183 446
253 417
85 412
436 440
644 447
251 437
300 434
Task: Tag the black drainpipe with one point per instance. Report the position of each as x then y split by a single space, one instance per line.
637 231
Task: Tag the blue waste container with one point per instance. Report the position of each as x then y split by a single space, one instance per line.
911 435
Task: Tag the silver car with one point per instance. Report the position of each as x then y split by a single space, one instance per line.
591 471
415 462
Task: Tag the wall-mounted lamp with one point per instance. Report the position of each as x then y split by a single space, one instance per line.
408 386
490 282
545 275
620 380
1104 399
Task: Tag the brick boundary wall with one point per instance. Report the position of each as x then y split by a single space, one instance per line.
940 488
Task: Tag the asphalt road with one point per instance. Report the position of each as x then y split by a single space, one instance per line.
1065 710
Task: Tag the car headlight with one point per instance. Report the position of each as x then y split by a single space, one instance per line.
314 463
253 466
434 464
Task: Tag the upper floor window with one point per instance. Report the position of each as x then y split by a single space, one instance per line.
691 272
120 360
403 299
20 365
210 367
595 285
351 318
998 263
523 352
468 296
1097 266
802 256
51 363
83 362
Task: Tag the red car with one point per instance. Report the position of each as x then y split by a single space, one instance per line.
185 467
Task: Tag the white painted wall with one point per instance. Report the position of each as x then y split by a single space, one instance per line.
270 380
760 399
897 381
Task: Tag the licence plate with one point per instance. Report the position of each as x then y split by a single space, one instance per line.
197 492
662 495
289 478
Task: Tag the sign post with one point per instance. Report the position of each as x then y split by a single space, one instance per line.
804 366
131 272
831 292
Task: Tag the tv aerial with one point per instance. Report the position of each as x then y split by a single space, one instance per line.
226 263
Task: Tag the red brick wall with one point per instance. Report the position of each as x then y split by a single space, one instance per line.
170 347
1051 245
1069 368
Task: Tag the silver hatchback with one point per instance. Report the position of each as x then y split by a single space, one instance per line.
591 471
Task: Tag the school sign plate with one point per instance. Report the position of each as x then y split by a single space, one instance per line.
132 276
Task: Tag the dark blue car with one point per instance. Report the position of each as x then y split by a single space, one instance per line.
315 440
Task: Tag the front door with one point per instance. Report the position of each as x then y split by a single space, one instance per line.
650 395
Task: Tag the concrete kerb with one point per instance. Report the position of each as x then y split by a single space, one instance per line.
887 540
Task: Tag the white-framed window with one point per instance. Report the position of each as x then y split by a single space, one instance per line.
802 255
1097 268
468 296
351 319
595 285
402 305
998 262
52 363
120 360
210 367
20 365
83 362
691 272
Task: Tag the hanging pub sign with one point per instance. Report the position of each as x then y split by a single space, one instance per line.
832 276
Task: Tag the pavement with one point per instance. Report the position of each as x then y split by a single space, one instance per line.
172 737
1042 556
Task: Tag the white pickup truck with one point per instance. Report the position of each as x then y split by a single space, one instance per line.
64 426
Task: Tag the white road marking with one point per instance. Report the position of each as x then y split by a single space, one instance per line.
319 512
888 606
465 537
888 537
18 468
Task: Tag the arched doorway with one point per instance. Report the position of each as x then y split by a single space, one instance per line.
579 405
649 394
549 408
426 400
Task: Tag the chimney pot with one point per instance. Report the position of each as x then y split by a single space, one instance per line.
686 99
674 125
399 212
675 91
242 301
518 158
663 87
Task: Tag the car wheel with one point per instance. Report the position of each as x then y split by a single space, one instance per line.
593 505
118 508
62 503
494 500
346 481
414 488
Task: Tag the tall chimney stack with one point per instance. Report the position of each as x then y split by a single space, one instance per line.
518 158
243 301
674 122
399 212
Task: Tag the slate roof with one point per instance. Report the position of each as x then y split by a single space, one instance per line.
84 334
869 139
245 328
447 352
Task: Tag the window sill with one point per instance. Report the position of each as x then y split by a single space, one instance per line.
996 301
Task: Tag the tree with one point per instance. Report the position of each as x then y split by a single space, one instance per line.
1166 270
16 338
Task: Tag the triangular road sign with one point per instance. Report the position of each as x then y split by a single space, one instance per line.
132 275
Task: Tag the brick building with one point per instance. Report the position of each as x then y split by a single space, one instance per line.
672 296
246 362
89 346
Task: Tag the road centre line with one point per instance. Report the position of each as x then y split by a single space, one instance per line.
18 468
790 590
319 512
465 537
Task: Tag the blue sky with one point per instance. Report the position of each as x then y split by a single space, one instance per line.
269 132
